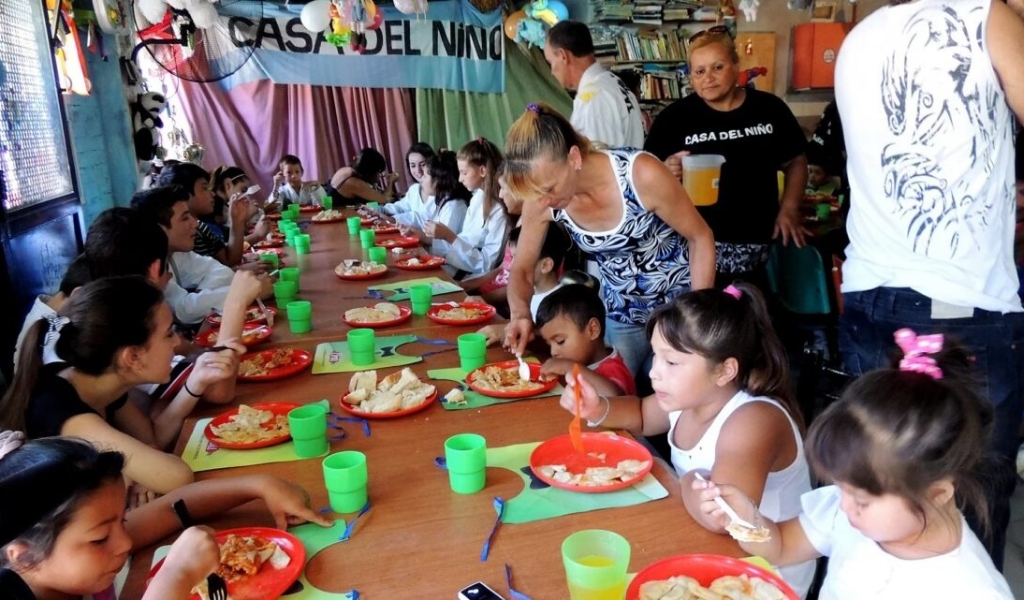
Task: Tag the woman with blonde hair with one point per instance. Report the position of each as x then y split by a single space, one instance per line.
623 207
758 136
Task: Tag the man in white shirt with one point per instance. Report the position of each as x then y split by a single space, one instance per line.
604 109
199 284
927 92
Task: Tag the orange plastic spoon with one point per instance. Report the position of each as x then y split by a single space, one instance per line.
574 426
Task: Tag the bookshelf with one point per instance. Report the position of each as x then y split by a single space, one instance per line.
644 42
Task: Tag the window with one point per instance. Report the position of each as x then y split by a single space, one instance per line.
34 163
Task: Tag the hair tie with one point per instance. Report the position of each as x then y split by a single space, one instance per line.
733 291
481 140
57 323
533 108
10 441
915 347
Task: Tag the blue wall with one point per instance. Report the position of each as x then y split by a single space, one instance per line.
101 137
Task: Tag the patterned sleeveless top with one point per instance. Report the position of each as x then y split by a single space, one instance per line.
644 263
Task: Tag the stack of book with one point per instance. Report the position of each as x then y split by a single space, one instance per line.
648 12
644 12
650 44
611 10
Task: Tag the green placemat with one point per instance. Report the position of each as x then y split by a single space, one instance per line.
334 357
315 538
476 399
401 288
549 502
203 455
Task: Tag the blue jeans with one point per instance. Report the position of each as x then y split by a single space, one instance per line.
631 342
996 341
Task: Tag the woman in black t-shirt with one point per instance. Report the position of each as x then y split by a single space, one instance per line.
758 135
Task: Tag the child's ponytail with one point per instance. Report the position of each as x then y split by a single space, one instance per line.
731 323
900 429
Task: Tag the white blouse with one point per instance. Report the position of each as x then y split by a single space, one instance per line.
479 246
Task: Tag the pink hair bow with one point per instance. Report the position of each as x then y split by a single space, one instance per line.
915 347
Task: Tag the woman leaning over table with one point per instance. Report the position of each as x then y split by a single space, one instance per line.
622 206
758 136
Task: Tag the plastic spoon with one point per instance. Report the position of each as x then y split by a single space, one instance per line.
735 518
574 426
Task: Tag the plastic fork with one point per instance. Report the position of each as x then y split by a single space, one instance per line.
269 316
524 369
574 426
735 518
215 585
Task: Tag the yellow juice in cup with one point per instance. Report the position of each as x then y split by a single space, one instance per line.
615 592
700 177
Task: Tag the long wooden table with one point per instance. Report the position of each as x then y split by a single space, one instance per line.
420 540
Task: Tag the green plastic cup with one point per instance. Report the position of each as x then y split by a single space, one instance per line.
378 255
345 478
823 210
295 210
595 564
284 292
362 346
308 426
290 274
285 222
420 297
367 237
353 224
300 316
302 241
472 351
373 205
327 202
466 457
289 237
271 259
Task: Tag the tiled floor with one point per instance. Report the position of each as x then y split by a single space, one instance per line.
1013 566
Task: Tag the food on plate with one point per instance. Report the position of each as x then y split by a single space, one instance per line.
242 556
251 336
462 313
252 425
730 587
378 313
253 314
398 391
355 268
742 533
597 476
455 397
262 364
504 379
327 215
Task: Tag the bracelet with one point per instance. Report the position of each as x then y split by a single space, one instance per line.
607 409
190 392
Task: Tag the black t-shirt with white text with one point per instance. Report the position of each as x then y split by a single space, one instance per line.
756 139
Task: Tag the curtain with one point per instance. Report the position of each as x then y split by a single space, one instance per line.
252 125
450 118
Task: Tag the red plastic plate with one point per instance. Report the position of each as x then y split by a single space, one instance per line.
274 242
559 451
399 242
426 263
359 277
338 219
252 315
269 583
300 360
406 314
705 568
277 251
385 228
534 376
310 208
278 408
252 334
433 311
391 415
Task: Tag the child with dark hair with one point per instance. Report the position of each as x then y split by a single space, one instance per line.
64 531
722 393
416 199
230 187
821 180
364 180
493 286
903 448
196 182
571 321
451 201
289 187
78 274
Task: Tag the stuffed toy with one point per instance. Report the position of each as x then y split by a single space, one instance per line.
145 121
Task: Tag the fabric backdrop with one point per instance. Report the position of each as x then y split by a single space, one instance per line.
255 123
450 119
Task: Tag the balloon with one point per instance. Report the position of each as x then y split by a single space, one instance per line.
378 18
338 27
316 15
512 23
371 10
559 9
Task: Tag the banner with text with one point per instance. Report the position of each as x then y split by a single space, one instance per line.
455 47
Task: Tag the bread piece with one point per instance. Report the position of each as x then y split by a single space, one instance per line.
364 380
